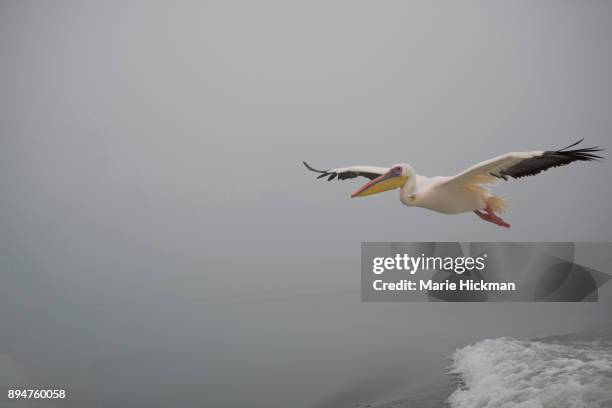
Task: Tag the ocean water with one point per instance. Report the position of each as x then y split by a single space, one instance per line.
567 371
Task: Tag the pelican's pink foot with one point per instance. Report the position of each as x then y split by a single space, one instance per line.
490 216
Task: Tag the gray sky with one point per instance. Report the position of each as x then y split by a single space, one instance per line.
161 237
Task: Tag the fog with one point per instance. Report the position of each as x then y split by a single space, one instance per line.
162 243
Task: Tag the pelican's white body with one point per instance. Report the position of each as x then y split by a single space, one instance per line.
435 193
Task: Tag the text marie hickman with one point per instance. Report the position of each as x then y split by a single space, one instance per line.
431 285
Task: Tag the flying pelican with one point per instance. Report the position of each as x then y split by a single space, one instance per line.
462 192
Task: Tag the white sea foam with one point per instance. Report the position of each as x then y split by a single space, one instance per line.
509 373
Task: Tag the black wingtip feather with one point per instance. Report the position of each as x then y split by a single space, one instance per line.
572 145
309 167
585 154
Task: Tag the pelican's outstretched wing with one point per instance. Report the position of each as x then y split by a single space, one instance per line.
344 173
522 164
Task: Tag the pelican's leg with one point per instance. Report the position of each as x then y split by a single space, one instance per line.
490 216
481 214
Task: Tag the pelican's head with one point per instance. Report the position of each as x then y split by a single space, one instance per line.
396 177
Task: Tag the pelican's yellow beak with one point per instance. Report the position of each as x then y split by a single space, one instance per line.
388 181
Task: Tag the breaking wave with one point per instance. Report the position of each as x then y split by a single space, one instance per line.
555 372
